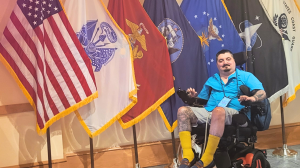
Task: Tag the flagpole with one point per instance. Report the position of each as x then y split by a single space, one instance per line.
174 164
92 152
175 159
173 144
49 148
284 151
137 165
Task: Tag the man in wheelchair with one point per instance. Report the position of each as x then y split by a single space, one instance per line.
223 95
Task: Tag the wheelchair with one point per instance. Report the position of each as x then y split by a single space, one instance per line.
236 147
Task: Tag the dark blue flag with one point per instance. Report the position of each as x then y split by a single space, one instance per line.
214 27
187 59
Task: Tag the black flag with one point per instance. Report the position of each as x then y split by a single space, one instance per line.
266 58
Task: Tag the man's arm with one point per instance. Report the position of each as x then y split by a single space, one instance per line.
260 95
254 84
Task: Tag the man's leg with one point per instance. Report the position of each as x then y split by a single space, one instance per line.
186 118
215 133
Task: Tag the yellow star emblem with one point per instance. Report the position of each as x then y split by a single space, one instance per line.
204 40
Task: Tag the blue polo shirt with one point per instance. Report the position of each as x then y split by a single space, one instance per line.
231 89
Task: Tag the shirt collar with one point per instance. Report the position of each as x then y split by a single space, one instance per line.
236 73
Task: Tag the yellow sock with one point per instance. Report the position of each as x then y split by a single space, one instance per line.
186 144
210 150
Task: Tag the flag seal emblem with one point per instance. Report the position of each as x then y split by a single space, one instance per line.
174 36
282 23
209 33
98 54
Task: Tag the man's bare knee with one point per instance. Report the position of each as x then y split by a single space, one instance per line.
185 119
182 110
218 112
217 122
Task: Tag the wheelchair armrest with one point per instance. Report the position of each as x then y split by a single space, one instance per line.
249 103
246 91
191 101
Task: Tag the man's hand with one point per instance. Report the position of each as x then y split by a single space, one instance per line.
247 98
258 96
191 92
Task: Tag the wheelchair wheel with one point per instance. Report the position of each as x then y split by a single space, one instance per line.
259 161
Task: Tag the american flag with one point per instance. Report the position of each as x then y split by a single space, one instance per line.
42 52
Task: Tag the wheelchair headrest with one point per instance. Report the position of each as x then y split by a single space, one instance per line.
240 58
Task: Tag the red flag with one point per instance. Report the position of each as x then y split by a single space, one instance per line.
43 54
151 59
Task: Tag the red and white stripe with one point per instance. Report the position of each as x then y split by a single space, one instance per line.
49 61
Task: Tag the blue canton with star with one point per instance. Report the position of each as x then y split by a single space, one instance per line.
37 10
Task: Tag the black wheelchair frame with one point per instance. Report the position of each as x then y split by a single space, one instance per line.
236 148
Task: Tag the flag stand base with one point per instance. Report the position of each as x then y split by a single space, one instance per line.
284 152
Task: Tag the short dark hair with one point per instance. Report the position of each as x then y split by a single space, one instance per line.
223 52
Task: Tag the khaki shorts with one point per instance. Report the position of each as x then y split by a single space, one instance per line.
202 115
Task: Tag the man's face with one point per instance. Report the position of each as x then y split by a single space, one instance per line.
225 63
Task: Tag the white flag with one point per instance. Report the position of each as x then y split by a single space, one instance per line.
285 16
108 48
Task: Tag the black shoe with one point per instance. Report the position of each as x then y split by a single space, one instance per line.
199 164
184 163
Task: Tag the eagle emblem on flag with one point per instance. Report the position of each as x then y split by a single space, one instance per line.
137 36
